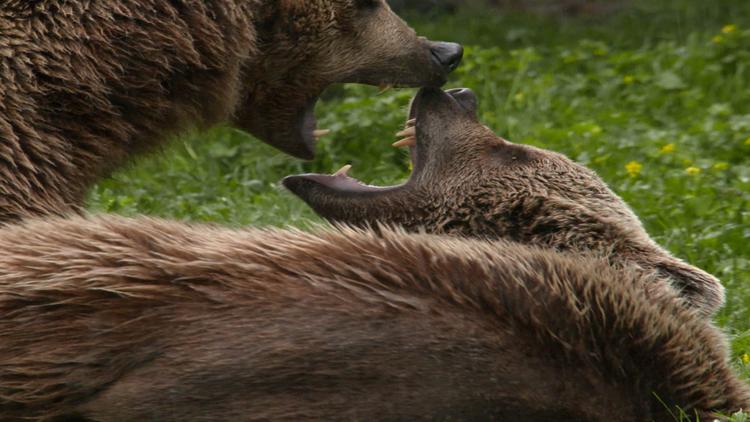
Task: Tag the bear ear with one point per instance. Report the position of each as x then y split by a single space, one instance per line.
698 287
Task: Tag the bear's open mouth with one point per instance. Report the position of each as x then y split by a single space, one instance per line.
341 181
311 134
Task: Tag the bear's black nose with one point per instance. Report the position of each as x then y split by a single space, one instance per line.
447 54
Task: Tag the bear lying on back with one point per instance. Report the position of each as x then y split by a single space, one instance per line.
469 182
85 85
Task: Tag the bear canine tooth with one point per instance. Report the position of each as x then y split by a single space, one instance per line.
410 142
319 133
343 171
409 131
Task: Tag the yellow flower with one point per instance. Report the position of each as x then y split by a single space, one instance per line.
633 168
728 29
628 80
668 148
693 171
745 358
721 166
717 39
747 141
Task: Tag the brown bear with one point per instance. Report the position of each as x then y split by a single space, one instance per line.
85 85
467 181
115 319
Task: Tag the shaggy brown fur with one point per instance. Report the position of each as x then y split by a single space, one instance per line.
469 182
86 84
114 319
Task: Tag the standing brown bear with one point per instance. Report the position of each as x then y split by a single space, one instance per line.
85 85
469 182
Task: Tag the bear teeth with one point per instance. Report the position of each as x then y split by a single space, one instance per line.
410 131
344 171
406 142
319 133
409 134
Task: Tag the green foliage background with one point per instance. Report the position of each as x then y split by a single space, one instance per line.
655 99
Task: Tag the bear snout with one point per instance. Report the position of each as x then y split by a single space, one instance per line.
447 54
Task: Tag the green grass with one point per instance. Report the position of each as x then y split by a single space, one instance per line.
664 87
